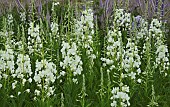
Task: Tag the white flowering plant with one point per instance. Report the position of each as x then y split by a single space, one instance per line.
64 57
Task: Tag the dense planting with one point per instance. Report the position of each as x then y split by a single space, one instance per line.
74 63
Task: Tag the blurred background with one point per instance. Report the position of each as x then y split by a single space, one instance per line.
137 7
147 9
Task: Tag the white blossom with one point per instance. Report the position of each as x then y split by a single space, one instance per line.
45 75
122 18
37 92
71 60
0 86
120 96
10 19
23 16
84 32
27 90
14 85
34 39
19 93
132 60
11 96
162 55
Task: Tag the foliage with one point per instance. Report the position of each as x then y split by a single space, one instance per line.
65 57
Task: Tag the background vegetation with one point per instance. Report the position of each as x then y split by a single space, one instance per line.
84 54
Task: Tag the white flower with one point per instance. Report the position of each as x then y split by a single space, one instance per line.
5 76
132 75
162 58
138 71
120 95
23 16
122 18
83 27
19 93
75 80
71 60
37 92
114 104
54 27
139 80
14 85
11 96
57 3
0 86
10 19
27 90
23 81
34 41
62 73
45 75
115 90
30 80
125 88
37 78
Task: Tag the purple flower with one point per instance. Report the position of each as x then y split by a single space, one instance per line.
162 8
137 18
137 21
156 6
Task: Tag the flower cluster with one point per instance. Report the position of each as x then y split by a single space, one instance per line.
155 27
113 49
114 58
142 31
54 29
120 96
23 70
7 59
156 32
162 58
7 65
122 19
10 19
162 61
84 31
34 40
45 75
71 59
23 16
131 61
